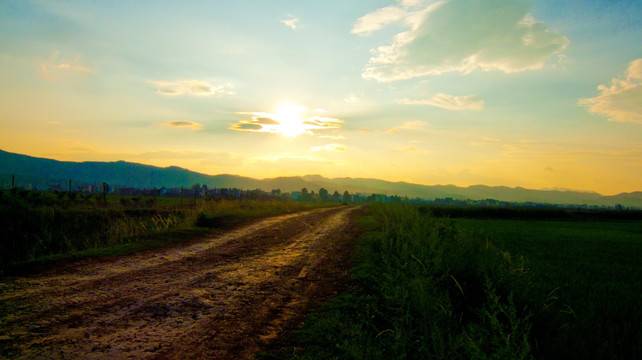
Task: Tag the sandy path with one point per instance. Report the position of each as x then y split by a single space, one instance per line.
223 298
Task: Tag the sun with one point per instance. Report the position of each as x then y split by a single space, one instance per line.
290 122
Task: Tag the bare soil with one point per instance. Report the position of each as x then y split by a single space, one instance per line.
224 297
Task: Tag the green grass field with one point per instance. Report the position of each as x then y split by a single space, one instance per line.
594 271
433 287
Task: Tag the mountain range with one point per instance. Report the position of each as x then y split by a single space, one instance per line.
146 176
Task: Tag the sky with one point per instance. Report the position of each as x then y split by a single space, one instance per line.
538 94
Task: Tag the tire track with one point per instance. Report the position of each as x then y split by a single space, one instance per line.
222 298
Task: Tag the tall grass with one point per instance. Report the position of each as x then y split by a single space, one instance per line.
591 272
34 224
427 287
424 289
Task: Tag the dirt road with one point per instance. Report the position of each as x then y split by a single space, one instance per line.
225 297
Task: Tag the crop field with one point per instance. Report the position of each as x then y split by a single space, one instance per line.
427 286
593 273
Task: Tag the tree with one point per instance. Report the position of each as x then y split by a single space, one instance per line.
336 196
347 198
305 196
323 194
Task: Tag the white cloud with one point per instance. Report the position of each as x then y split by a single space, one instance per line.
459 36
622 101
183 124
378 19
449 102
329 147
54 67
291 22
410 3
192 87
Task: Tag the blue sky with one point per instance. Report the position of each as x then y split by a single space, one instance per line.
539 94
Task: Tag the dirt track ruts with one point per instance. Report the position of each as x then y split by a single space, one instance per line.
225 297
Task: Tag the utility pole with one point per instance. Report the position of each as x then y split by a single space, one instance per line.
195 194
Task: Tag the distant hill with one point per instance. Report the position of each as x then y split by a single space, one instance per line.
146 176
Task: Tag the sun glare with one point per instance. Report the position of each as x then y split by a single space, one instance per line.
289 118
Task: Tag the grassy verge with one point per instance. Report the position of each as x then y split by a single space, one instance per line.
126 247
36 227
422 289
427 287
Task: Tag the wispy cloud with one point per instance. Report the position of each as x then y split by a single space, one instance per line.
416 125
413 125
333 137
622 101
291 22
183 124
329 147
289 120
459 36
410 3
378 19
449 102
192 87
54 67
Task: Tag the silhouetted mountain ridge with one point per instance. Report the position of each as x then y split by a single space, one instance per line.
146 176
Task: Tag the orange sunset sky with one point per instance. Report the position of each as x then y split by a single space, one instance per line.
538 94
